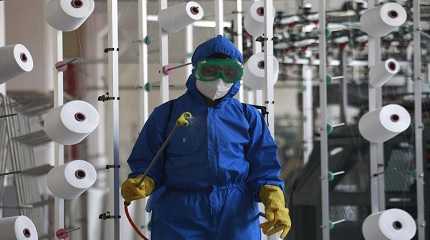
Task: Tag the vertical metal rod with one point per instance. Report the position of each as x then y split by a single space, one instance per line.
164 58
257 47
189 44
258 94
143 93
239 38
268 68
59 148
268 55
325 205
251 97
112 13
143 62
428 73
377 186
219 17
344 108
308 130
418 84
259 97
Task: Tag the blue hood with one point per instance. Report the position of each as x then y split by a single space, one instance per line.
218 44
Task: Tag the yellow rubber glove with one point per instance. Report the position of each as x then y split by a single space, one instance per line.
277 215
131 191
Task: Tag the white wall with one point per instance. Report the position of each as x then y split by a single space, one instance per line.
2 37
27 25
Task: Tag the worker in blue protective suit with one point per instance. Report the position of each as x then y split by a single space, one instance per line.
215 171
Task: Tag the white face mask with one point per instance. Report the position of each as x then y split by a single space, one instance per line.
213 89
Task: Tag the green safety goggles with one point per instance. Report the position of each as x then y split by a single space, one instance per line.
228 70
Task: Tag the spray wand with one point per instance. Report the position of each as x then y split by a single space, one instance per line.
182 121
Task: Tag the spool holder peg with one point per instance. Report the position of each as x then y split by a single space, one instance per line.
333 175
166 69
65 233
380 165
107 215
23 206
331 78
263 39
61 66
146 40
333 224
332 126
107 50
33 171
106 97
109 166
378 174
148 87
10 173
8 115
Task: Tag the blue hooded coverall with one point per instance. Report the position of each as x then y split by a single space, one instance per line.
208 180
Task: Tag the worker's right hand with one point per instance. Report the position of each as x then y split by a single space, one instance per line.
277 215
131 191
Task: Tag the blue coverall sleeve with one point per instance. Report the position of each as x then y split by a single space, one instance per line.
262 154
146 146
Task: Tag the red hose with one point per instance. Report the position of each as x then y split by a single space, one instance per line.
130 220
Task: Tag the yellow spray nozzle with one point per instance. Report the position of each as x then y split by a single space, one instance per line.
184 119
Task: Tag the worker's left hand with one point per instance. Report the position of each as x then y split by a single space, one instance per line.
277 215
131 191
